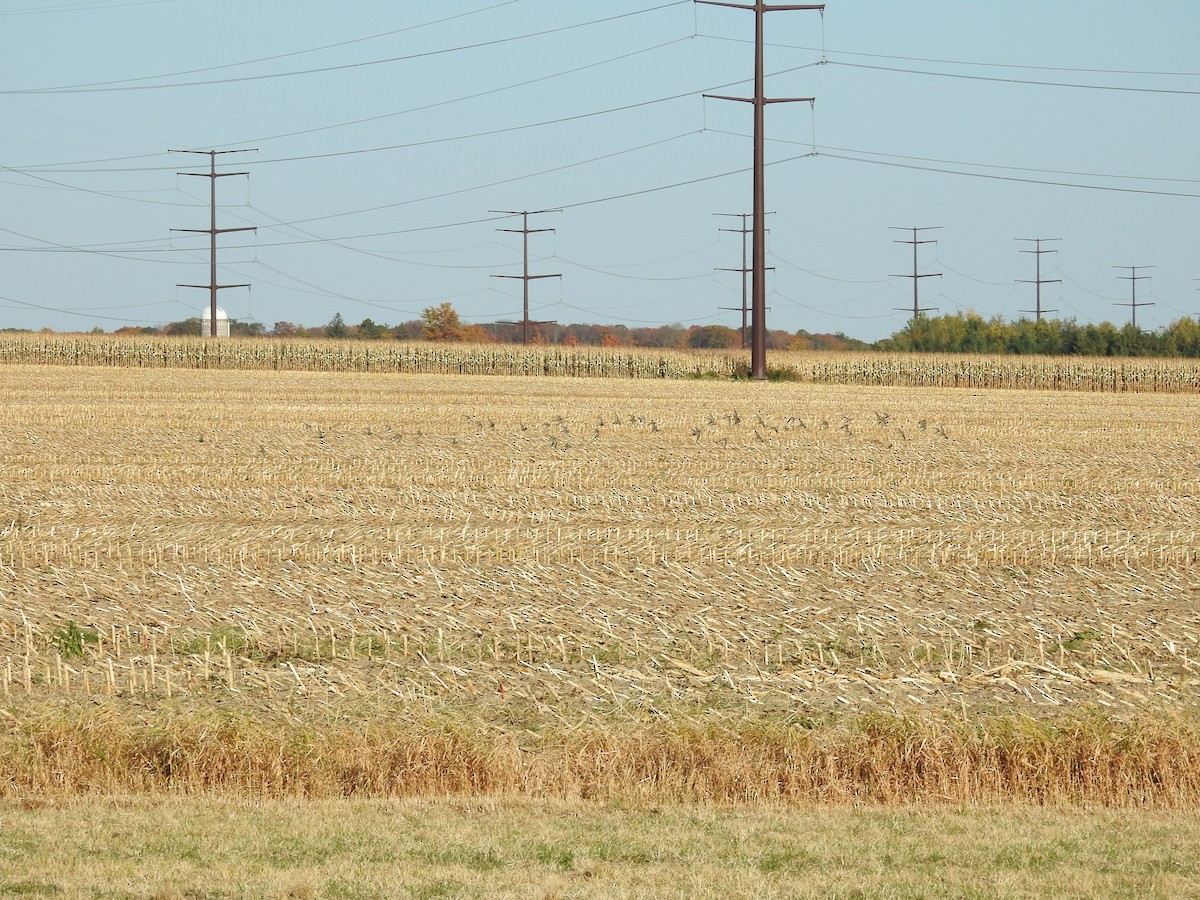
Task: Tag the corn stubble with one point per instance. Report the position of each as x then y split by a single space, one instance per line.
1070 373
316 584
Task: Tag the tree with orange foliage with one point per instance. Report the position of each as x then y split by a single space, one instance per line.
442 323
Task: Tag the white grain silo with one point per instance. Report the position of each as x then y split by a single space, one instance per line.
206 323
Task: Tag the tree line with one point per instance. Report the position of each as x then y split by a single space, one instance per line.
956 333
971 333
443 323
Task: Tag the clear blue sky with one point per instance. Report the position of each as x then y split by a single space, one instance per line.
386 131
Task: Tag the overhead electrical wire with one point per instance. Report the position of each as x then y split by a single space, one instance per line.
955 271
61 168
816 274
589 202
1024 81
600 271
110 87
825 312
958 62
1023 66
55 247
508 87
82 7
80 313
1009 178
293 53
824 150
477 134
73 187
500 183
654 262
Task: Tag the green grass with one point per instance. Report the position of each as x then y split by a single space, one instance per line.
190 848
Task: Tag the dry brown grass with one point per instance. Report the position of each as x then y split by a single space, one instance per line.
877 759
241 581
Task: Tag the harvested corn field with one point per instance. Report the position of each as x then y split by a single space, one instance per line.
595 587
1066 373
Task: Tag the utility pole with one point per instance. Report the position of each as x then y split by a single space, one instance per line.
1133 278
1039 281
917 308
758 350
525 231
212 231
744 308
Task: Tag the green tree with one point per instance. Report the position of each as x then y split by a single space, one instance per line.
712 337
369 331
188 327
1183 339
336 327
1094 340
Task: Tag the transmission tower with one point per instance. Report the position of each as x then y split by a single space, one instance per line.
1133 278
212 231
525 231
916 276
758 349
744 308
1039 280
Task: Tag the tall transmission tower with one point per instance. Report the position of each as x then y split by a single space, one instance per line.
916 276
758 349
744 308
525 231
1133 278
212 231
1039 280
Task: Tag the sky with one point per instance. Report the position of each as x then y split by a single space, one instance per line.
383 135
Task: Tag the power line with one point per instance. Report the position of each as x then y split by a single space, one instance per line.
823 151
62 168
525 231
81 7
80 313
96 250
504 181
82 190
916 276
250 62
490 92
758 349
590 202
601 271
212 231
462 137
1039 280
744 270
1009 178
994 78
1133 278
111 87
963 62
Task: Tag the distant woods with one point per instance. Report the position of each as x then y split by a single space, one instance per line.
972 333
958 333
